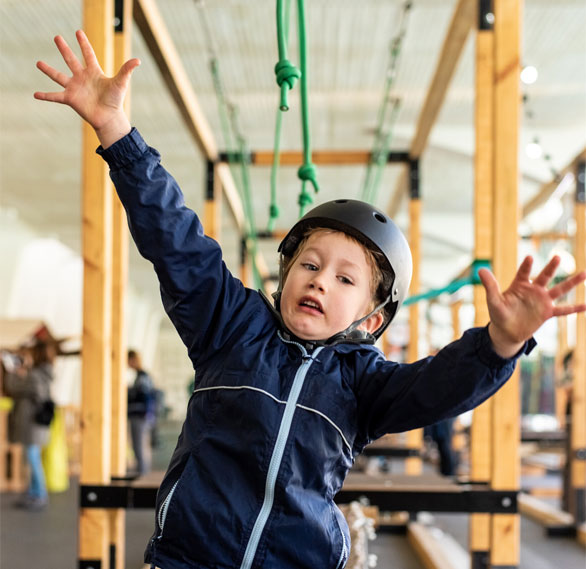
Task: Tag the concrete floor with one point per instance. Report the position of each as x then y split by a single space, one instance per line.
48 539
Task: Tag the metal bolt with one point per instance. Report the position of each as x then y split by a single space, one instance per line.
506 502
489 18
92 497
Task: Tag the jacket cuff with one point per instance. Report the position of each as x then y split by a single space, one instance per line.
124 151
489 357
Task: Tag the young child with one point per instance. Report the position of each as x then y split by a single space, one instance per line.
286 397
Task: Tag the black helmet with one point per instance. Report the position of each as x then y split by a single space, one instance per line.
375 230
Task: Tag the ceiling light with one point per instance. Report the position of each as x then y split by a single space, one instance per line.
529 74
534 150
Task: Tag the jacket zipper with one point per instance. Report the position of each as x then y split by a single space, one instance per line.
162 515
277 456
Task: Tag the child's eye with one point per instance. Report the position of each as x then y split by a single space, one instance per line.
345 280
309 266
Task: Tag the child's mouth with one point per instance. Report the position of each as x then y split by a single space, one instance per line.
311 305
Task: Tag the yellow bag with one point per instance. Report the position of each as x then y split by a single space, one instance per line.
55 455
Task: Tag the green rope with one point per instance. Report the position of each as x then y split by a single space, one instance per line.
232 137
283 40
455 285
382 138
287 73
308 171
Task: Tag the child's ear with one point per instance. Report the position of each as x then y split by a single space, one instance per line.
372 324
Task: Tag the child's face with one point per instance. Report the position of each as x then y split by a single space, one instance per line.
328 287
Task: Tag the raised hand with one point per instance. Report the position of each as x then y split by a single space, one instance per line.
96 98
517 313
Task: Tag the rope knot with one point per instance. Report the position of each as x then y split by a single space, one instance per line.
304 200
274 211
287 75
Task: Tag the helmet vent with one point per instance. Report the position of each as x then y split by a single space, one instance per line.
379 217
341 201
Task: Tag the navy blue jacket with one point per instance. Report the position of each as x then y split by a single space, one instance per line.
271 430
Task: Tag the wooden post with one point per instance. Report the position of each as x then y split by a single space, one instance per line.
97 308
413 465
213 200
505 467
122 46
578 429
480 430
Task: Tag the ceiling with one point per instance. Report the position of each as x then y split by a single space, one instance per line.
348 47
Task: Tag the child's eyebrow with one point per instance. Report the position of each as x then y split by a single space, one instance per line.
318 251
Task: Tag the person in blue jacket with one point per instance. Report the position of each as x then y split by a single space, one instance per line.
286 396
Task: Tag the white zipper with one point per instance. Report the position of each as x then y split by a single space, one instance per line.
162 516
277 456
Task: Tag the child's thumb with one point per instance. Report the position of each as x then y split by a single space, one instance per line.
489 283
123 76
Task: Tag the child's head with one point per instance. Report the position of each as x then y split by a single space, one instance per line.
339 262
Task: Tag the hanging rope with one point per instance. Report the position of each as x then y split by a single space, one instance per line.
383 135
454 286
287 75
236 147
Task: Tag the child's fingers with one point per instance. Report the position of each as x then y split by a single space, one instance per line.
68 56
524 270
566 286
52 97
489 282
123 76
568 309
52 73
548 271
87 50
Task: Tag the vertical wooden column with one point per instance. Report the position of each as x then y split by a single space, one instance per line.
560 390
122 47
413 465
212 204
97 309
480 430
505 467
243 262
578 429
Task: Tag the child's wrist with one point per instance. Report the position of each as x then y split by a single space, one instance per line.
113 130
501 343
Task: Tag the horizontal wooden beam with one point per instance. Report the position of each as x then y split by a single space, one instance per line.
547 189
325 157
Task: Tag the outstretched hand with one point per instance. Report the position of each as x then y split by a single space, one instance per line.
517 313
96 98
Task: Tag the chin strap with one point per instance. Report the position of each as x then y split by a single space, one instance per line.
350 335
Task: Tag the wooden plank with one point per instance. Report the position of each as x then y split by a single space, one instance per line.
578 429
461 24
413 465
97 303
542 512
547 189
480 430
117 517
505 528
436 550
325 157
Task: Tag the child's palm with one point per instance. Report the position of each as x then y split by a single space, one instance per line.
95 97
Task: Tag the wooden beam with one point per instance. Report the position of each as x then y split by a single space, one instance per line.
578 428
436 550
505 467
480 430
122 51
460 26
547 189
161 46
97 194
413 465
325 157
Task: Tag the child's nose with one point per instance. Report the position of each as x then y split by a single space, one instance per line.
318 282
